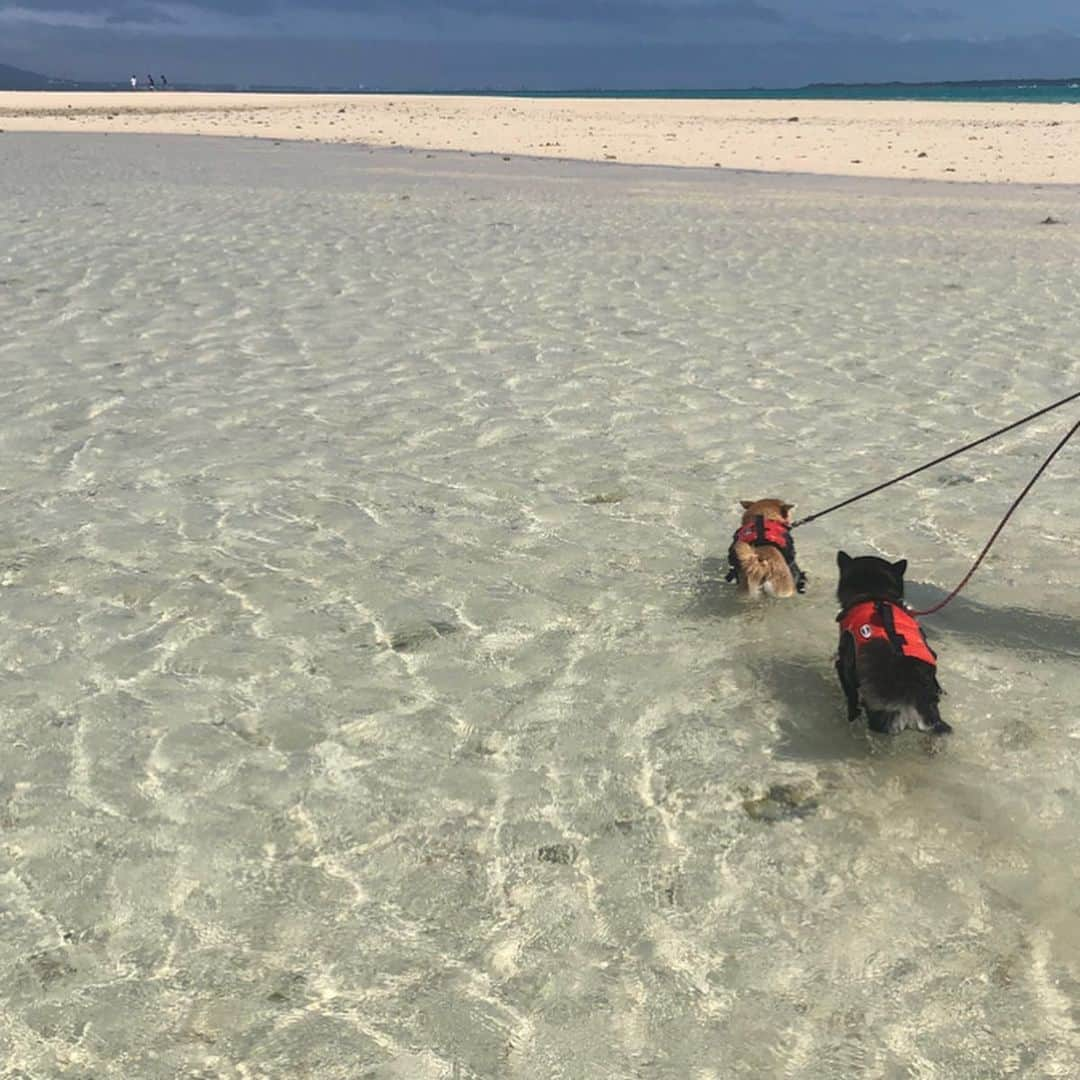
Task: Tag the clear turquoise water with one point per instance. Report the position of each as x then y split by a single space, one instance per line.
1034 91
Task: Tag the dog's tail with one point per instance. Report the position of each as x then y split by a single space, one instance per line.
756 571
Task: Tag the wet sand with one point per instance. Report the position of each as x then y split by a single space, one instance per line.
920 140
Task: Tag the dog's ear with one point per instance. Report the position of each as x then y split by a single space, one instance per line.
786 508
900 567
746 503
843 560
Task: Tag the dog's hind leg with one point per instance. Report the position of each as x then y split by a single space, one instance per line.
930 720
845 672
753 571
885 721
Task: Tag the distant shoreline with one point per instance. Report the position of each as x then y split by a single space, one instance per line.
1060 92
1009 90
928 140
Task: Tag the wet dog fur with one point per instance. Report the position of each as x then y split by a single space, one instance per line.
896 691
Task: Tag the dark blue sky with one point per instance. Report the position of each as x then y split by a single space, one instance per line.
543 43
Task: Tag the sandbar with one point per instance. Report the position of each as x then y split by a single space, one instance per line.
974 142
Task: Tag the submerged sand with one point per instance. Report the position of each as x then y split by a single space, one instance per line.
373 704
919 140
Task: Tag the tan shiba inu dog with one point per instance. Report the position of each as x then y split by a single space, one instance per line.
762 552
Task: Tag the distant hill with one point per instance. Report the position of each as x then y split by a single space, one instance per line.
13 78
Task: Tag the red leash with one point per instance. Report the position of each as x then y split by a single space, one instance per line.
1001 524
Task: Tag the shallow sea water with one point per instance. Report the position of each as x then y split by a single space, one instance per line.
372 703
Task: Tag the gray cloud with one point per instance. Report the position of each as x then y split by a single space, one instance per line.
605 11
611 12
155 12
930 16
140 14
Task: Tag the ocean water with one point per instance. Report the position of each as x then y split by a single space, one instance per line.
372 703
1033 91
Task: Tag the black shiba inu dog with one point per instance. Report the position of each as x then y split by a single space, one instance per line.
884 662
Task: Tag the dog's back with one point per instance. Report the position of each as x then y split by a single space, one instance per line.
761 567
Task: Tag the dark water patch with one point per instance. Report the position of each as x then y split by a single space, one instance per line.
407 638
560 854
605 498
1019 735
412 624
782 802
50 966
812 718
290 988
711 595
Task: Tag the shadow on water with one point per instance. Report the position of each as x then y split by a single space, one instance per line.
711 596
999 627
1002 627
812 719
813 723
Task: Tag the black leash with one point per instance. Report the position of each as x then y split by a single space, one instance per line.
945 457
1001 524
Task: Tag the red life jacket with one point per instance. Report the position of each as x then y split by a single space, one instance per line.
882 620
762 531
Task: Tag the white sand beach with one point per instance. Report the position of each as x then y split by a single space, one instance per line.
916 140
373 704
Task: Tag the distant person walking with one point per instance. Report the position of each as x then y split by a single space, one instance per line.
150 82
134 83
164 83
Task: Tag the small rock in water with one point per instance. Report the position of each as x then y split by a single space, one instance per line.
51 966
490 745
561 854
290 988
602 498
782 802
1018 735
411 637
413 623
